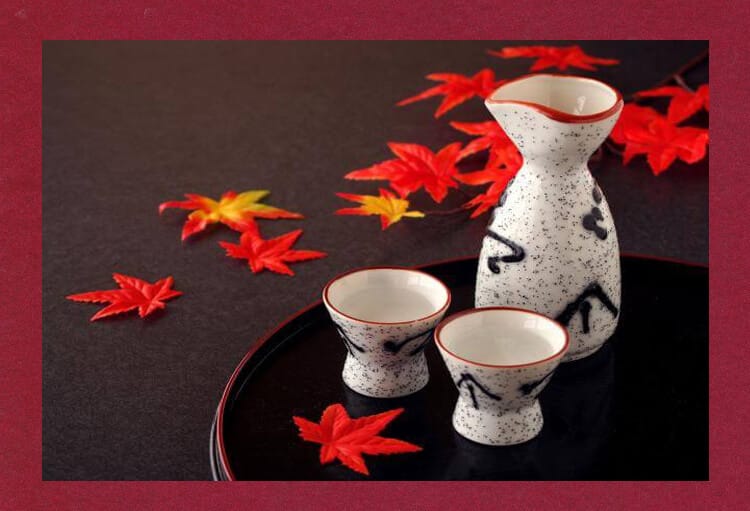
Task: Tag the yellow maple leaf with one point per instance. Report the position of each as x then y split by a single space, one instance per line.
234 210
390 208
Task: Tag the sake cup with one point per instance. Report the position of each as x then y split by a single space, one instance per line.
500 359
386 316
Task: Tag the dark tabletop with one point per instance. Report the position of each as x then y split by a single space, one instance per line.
127 125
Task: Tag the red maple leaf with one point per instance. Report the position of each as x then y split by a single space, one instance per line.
457 88
348 439
499 177
133 293
272 254
490 136
415 167
234 210
643 130
633 117
554 56
684 103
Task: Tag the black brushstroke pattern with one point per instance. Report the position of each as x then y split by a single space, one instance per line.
395 347
596 193
528 388
350 345
590 223
592 290
585 309
421 347
470 382
517 254
504 196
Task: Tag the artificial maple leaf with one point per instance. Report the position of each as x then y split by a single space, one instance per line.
499 177
348 439
457 88
234 210
390 208
490 136
555 56
416 167
133 293
633 117
684 103
272 254
643 130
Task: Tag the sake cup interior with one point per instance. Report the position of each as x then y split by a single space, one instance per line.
502 337
386 295
570 95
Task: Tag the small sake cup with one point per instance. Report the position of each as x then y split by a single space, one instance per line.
386 316
500 359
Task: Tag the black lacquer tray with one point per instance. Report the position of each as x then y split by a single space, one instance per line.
636 410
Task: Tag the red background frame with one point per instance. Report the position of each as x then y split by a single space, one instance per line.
22 29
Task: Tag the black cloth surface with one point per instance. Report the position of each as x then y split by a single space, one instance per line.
127 125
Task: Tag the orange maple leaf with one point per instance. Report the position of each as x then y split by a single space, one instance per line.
272 254
457 88
416 167
348 439
234 210
390 208
133 294
554 56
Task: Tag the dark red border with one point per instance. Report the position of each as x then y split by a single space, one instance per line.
23 27
368 268
559 115
467 312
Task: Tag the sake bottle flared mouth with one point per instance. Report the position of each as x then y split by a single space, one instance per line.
569 99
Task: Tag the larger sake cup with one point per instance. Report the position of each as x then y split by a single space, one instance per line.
500 359
386 316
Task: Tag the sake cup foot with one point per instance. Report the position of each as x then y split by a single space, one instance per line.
581 354
498 427
386 382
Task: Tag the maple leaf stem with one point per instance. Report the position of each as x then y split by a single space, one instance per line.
679 80
677 76
464 193
687 66
598 155
597 158
444 212
611 147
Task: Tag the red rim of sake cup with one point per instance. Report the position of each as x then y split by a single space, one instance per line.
442 309
480 310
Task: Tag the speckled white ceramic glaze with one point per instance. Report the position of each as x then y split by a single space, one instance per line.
386 317
500 360
551 244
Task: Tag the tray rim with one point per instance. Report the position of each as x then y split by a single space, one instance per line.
218 422
212 451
